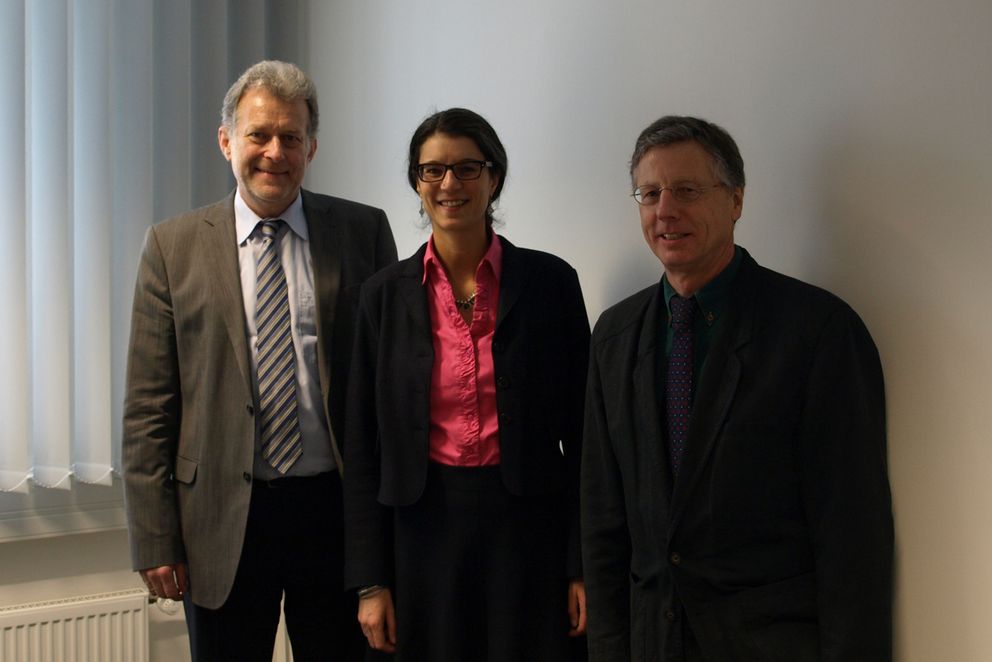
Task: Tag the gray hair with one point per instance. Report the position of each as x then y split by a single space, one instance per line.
671 129
283 79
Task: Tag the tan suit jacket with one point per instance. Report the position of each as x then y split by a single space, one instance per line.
189 426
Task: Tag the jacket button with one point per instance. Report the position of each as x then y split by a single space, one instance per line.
251 409
675 558
502 382
504 418
497 346
246 476
669 615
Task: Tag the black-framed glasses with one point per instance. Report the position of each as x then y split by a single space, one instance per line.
650 195
463 170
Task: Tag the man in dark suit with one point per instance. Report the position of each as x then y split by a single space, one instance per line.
240 342
735 499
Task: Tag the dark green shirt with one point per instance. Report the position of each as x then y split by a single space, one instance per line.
712 302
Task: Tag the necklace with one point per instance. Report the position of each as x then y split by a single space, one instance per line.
465 304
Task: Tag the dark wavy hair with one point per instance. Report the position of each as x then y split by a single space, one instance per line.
465 123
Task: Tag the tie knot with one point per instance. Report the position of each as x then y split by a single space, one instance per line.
270 228
683 311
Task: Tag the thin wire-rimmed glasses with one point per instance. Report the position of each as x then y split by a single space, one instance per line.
463 170
650 195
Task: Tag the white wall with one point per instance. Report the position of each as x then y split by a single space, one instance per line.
865 130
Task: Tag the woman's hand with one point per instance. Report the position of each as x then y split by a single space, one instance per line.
378 620
576 608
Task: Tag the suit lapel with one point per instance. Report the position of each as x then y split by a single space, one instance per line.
411 290
219 237
325 256
417 337
649 398
512 281
718 382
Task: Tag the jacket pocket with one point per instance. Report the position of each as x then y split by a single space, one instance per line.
781 619
185 470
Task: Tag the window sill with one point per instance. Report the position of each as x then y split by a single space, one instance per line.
45 513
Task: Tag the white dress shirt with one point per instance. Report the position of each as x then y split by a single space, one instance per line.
294 253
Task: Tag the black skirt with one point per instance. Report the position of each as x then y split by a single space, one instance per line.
480 573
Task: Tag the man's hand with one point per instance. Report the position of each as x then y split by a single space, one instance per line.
166 581
576 608
378 620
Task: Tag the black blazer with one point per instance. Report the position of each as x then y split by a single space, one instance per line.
540 352
777 536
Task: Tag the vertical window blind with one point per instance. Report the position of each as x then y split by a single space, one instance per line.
109 110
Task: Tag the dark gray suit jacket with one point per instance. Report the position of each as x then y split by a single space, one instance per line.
189 428
777 536
540 349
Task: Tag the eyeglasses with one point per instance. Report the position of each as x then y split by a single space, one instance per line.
463 170
650 195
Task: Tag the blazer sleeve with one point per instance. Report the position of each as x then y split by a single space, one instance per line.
152 409
368 523
846 492
606 546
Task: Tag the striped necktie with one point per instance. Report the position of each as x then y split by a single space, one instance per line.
678 380
281 442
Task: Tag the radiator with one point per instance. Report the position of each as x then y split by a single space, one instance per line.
107 627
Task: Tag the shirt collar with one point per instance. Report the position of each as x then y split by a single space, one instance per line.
493 258
245 220
712 296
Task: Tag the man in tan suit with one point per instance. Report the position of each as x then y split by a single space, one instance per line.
240 341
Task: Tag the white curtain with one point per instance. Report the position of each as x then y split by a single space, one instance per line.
109 111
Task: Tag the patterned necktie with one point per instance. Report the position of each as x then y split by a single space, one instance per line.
281 443
678 380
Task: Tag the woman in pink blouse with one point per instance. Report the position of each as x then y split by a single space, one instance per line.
464 427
